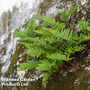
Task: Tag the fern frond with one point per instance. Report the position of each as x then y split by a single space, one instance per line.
21 34
50 40
51 21
73 9
28 65
46 76
28 39
87 37
68 13
44 33
72 50
64 14
32 25
80 38
58 56
43 65
66 34
35 51
29 30
63 34
83 25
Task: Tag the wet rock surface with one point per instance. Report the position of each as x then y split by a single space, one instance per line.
11 53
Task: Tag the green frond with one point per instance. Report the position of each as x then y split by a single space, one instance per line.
46 76
87 37
66 34
58 56
32 25
43 32
64 14
51 21
83 25
88 29
63 34
35 51
72 50
21 34
50 40
29 31
28 65
73 9
68 13
44 65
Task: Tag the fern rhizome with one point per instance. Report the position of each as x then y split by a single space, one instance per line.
51 43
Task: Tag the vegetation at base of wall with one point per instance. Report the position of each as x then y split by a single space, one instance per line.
51 43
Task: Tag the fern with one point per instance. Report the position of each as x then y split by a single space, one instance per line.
68 13
51 45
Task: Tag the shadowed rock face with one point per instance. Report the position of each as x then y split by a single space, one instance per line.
11 53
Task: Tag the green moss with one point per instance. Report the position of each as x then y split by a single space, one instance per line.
15 58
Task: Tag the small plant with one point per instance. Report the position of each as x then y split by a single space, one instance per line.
68 13
84 26
51 45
